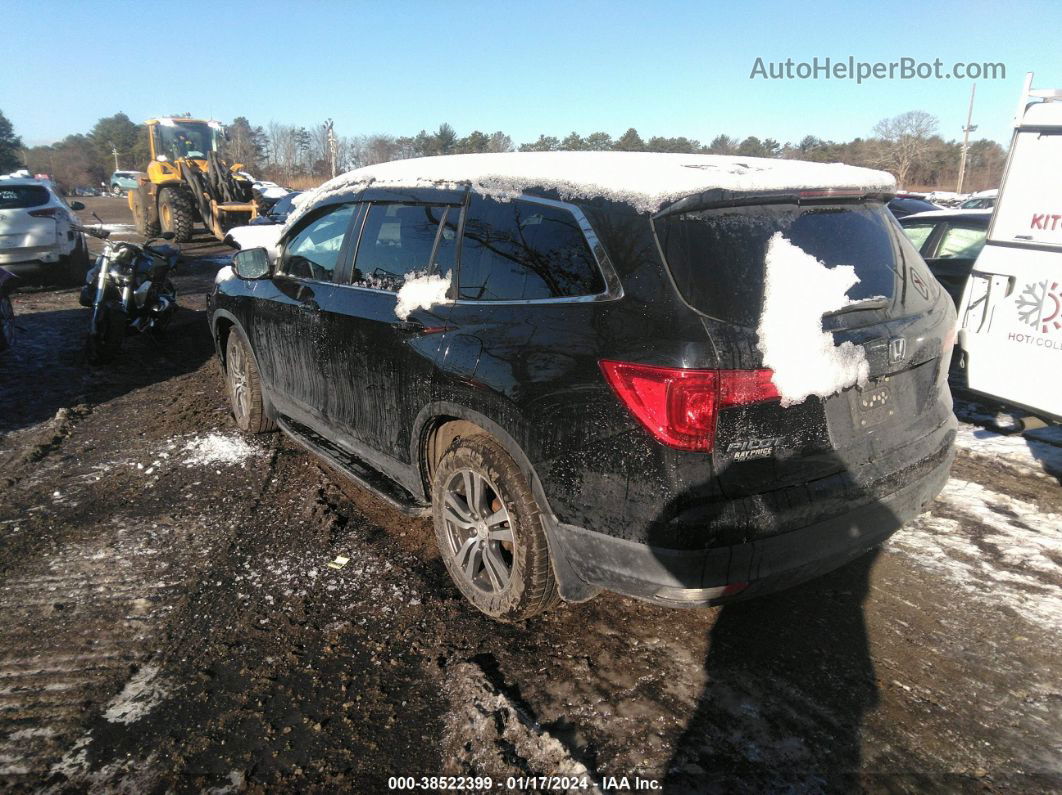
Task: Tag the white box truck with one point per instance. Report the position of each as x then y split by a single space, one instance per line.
1010 318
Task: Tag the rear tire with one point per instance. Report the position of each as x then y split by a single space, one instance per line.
243 384
7 324
176 214
489 531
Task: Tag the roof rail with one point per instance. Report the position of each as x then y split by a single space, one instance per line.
1030 93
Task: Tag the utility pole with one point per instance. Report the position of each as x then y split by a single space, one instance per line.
969 128
114 151
330 128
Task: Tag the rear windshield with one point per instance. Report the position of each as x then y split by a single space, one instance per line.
13 197
717 256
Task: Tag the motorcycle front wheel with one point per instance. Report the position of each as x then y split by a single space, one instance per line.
103 345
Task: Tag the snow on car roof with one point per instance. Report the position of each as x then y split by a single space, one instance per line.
930 214
645 180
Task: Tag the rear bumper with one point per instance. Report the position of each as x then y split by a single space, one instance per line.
39 265
696 578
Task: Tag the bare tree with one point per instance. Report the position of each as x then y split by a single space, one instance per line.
905 142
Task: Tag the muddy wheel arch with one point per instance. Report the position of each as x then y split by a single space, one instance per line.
439 423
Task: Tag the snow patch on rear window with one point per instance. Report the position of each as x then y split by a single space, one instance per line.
421 292
798 291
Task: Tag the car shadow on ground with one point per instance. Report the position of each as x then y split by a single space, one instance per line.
789 675
47 370
789 678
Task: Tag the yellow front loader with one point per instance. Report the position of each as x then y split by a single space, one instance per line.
186 181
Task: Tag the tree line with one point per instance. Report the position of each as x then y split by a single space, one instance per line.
907 145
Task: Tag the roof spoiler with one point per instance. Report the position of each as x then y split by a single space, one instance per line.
719 198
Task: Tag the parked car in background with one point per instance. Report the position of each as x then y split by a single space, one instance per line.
586 379
123 181
946 198
905 205
985 200
38 233
949 241
278 210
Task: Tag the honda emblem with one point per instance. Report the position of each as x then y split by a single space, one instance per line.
897 349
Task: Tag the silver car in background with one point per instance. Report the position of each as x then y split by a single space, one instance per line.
38 235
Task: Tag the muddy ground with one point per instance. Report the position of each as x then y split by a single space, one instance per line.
170 621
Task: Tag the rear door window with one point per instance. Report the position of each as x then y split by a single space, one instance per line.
524 250
961 242
397 240
918 234
717 256
17 197
313 253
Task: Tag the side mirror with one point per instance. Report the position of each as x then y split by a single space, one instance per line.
76 206
251 263
167 235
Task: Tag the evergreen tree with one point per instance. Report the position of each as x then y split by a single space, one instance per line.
630 141
10 144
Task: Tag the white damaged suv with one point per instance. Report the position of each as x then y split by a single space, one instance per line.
38 232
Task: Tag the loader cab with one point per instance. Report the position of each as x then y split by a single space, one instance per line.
180 139
176 139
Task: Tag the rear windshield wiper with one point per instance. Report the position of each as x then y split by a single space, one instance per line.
860 306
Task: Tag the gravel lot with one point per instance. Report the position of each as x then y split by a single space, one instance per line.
170 621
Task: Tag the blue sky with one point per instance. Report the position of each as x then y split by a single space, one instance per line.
666 68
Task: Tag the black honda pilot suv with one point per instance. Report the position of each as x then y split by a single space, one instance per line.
688 379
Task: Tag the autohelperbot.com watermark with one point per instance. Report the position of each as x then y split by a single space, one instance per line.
861 71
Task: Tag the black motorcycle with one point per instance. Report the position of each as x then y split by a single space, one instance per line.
7 310
129 291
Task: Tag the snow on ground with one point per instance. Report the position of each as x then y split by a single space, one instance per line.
421 292
118 229
977 414
993 546
1017 450
645 180
218 448
798 291
141 694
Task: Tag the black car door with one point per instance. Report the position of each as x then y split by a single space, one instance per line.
291 317
382 366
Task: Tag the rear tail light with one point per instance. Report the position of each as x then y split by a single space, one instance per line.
679 407
47 212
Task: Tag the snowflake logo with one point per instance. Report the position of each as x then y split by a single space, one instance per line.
1041 306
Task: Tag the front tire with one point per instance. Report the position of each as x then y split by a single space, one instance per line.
489 531
243 383
176 213
104 345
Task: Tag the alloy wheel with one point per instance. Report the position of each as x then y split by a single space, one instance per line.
238 382
478 530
